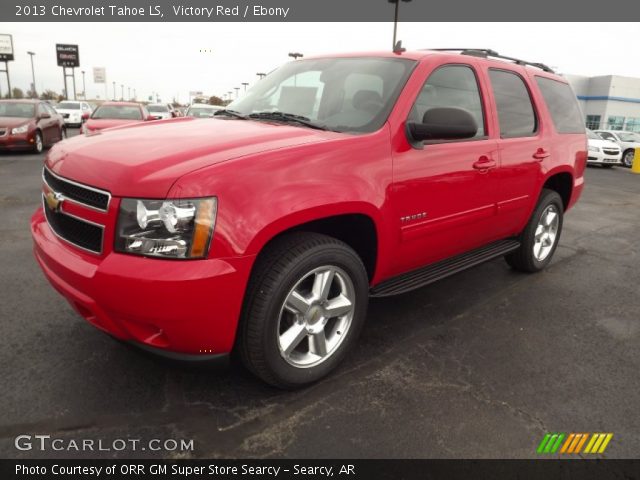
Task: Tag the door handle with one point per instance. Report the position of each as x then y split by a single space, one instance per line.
541 154
484 163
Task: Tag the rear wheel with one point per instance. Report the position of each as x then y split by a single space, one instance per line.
305 306
540 237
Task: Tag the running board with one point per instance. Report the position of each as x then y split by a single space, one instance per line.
442 269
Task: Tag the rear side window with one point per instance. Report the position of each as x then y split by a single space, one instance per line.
562 104
515 111
451 86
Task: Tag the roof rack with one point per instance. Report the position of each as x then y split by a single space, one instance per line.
487 52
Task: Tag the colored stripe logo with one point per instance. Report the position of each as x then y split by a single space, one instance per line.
573 443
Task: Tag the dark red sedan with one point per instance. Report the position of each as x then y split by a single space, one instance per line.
116 114
29 125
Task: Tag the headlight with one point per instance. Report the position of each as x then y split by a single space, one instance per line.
166 228
18 130
594 149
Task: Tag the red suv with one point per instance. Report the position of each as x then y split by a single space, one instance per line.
266 229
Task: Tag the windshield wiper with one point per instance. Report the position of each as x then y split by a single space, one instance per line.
230 113
287 117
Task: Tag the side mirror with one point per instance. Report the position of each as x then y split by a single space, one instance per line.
85 116
443 123
45 115
151 117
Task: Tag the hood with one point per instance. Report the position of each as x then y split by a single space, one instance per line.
603 143
11 122
99 124
145 159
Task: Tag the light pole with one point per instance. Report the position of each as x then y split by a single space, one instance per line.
84 87
114 91
261 75
134 94
129 92
395 20
245 85
122 90
237 89
33 75
295 55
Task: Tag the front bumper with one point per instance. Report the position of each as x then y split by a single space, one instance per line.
182 307
601 158
23 141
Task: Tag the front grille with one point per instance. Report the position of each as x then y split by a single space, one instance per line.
82 194
611 152
73 230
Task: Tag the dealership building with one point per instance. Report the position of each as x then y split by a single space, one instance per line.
608 102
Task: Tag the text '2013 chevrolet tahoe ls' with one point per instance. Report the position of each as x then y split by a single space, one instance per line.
265 229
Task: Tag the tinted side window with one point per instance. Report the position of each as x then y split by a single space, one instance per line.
515 112
451 86
562 104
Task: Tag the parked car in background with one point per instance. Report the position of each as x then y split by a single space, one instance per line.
74 113
267 228
202 110
29 125
162 110
602 152
628 142
115 114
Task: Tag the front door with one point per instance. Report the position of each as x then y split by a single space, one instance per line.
444 194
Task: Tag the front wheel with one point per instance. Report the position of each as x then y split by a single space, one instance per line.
540 237
627 158
38 145
305 306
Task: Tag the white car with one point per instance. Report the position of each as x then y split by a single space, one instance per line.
628 142
162 110
202 110
74 113
602 152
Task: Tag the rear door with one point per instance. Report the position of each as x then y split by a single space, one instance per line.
523 145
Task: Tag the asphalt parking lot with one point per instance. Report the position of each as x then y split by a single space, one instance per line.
480 365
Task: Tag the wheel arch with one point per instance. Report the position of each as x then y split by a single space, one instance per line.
357 227
561 182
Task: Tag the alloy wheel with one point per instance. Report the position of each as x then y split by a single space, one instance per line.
546 233
316 316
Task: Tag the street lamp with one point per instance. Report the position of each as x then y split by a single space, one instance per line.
84 87
245 85
122 90
33 75
237 89
114 91
261 75
129 92
134 94
395 20
296 55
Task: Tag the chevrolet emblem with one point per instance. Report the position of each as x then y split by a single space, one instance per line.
54 200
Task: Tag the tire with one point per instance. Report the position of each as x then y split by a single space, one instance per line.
284 273
533 256
627 158
38 144
606 165
63 133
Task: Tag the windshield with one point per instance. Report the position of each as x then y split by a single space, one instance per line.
629 137
341 94
68 106
157 108
593 135
118 112
202 112
17 109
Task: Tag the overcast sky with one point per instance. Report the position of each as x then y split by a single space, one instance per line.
166 57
